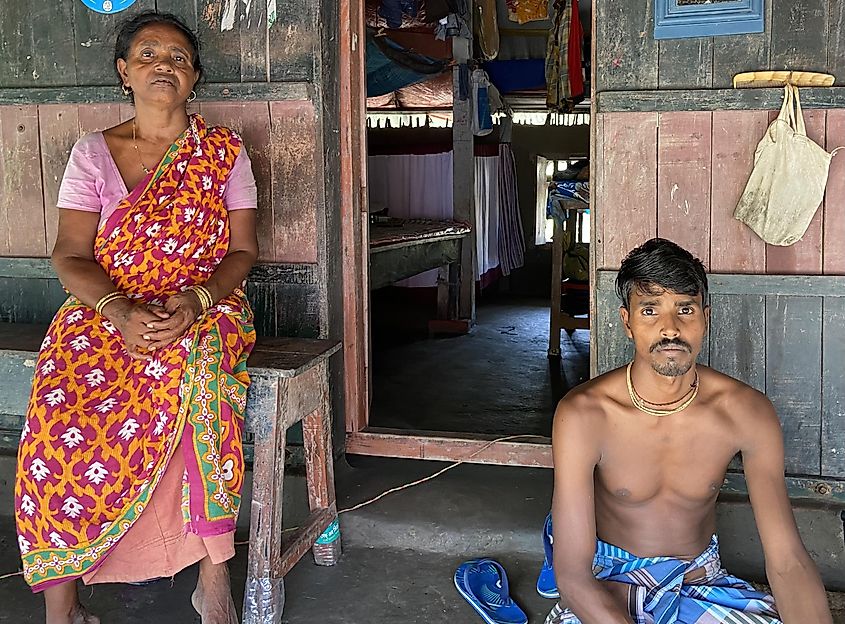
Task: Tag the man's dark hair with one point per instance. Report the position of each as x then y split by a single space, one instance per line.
661 265
129 28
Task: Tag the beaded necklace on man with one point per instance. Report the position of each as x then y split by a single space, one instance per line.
643 405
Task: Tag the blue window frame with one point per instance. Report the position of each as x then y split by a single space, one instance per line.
682 20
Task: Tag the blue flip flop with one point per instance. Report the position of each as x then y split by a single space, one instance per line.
546 583
484 585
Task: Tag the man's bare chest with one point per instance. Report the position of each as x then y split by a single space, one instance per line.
682 461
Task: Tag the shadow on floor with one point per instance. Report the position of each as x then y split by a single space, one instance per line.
496 380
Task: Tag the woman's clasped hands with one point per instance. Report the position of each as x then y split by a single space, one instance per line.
146 327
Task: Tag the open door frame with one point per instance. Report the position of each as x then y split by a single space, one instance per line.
361 439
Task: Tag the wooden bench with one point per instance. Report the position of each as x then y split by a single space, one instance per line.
289 385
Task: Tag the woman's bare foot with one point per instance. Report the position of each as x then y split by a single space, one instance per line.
212 598
80 615
63 606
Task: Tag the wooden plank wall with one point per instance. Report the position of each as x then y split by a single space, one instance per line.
62 43
799 35
679 175
789 344
281 140
67 45
35 142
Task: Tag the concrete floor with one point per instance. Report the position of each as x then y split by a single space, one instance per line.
497 379
401 552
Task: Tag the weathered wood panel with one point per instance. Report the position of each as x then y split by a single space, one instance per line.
627 202
21 198
295 163
741 53
294 40
59 130
186 10
36 44
738 337
794 376
836 39
285 298
626 51
209 92
714 99
51 130
218 27
833 388
683 181
614 347
805 34
799 34
94 36
255 62
805 256
97 117
685 63
734 247
834 202
29 301
252 121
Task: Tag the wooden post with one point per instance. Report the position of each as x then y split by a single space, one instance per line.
317 437
264 594
354 215
463 172
554 304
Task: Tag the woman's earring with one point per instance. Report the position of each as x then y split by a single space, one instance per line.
192 97
126 90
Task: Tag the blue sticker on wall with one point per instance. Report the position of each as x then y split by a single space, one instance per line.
108 6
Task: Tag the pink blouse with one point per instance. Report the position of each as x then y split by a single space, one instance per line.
93 183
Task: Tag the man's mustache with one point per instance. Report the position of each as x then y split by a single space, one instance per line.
677 342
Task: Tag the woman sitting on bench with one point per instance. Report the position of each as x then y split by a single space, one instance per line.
130 464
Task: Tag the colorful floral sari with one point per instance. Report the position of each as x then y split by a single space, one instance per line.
101 427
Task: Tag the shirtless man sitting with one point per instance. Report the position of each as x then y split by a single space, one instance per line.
640 453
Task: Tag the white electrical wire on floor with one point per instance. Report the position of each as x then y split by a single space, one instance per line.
439 472
395 489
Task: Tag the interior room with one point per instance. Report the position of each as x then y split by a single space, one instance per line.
492 358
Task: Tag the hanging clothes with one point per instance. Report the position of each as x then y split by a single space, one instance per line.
564 74
523 11
511 235
391 67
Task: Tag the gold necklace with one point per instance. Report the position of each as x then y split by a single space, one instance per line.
640 403
135 145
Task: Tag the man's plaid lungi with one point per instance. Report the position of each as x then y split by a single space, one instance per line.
659 593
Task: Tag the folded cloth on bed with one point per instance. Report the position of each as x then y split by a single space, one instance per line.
667 590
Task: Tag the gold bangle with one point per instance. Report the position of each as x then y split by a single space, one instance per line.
107 299
204 295
209 300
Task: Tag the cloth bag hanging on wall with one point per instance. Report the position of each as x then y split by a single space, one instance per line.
787 182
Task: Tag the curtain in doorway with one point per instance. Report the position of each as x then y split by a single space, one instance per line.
412 186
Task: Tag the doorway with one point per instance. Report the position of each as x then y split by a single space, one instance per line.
453 387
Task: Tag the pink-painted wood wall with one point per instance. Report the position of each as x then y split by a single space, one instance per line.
679 175
281 139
